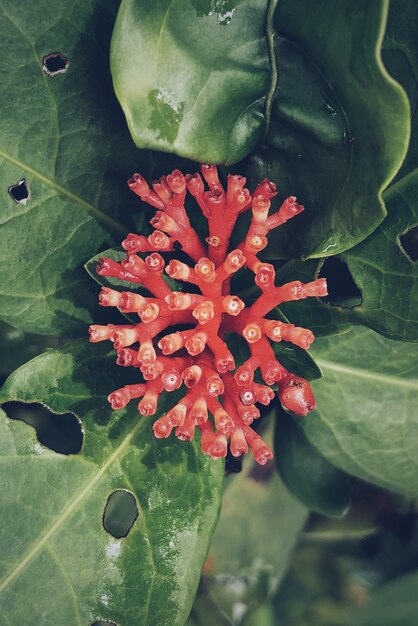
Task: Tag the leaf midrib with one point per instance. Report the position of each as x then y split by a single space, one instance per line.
361 373
70 508
90 208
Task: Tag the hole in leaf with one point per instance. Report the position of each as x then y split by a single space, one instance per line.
60 432
20 191
120 513
342 290
55 63
409 243
102 623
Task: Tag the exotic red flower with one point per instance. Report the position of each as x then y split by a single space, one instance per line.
198 357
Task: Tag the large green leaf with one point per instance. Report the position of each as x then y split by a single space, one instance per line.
400 55
329 110
379 265
66 136
366 420
192 75
59 566
339 125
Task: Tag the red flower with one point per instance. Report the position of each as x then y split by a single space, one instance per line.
199 358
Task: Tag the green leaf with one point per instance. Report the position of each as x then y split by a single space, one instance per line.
366 421
338 128
400 55
329 108
66 136
59 565
394 603
307 474
379 265
192 76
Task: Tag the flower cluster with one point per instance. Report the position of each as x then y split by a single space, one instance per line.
220 399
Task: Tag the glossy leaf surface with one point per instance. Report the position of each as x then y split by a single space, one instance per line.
328 108
53 532
65 135
366 422
336 112
400 55
192 76
383 267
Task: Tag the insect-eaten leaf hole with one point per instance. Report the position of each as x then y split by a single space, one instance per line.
409 243
55 63
342 290
20 191
120 513
60 432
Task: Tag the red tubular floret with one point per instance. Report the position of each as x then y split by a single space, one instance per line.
162 427
185 432
216 397
135 243
238 443
171 380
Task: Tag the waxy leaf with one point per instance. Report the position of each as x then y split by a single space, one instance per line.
65 136
338 128
366 420
192 76
383 266
307 474
59 565
195 83
400 55
384 272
